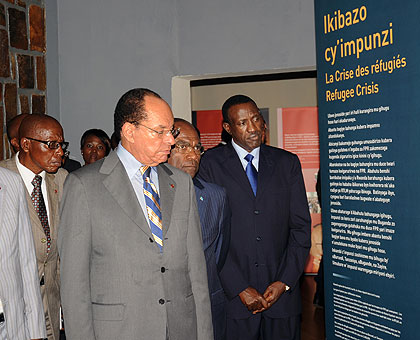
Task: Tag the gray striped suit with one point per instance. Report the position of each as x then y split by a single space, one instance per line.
19 283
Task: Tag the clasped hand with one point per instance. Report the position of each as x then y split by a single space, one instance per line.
256 303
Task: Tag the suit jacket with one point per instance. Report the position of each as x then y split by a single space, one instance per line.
270 237
215 226
48 263
116 284
19 283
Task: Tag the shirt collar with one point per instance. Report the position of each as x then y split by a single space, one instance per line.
27 174
130 163
242 153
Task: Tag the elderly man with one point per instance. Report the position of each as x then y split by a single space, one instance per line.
270 223
214 217
38 161
13 131
132 263
21 311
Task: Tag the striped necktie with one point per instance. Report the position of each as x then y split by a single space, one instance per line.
252 173
154 213
41 210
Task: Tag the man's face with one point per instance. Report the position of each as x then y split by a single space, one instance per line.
146 145
186 154
38 156
246 126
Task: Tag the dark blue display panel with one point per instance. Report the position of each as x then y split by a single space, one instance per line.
368 56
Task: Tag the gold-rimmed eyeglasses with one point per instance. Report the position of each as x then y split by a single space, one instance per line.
174 132
52 144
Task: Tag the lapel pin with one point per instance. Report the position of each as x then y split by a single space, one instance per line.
55 191
201 198
172 186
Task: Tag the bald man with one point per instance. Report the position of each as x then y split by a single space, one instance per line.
38 163
13 126
214 215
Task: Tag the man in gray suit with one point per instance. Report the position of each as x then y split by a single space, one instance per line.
132 264
21 311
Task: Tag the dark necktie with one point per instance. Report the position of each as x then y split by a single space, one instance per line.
154 213
41 210
252 173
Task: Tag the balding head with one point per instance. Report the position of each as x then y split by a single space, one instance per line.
13 131
186 153
35 132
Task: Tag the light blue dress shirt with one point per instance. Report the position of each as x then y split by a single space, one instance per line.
242 154
132 167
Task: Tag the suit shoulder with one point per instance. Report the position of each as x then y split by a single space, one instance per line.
278 152
90 170
8 176
7 163
173 171
215 153
61 175
211 187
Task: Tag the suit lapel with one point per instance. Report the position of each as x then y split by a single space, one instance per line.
52 192
265 170
35 221
119 186
234 166
167 188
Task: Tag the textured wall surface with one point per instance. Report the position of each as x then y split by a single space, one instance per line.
22 62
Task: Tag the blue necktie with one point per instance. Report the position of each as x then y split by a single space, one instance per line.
252 173
153 206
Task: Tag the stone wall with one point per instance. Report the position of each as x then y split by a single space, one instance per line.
22 62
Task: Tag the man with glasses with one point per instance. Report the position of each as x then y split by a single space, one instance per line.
132 263
214 217
38 162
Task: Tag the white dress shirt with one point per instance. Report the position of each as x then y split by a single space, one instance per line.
27 177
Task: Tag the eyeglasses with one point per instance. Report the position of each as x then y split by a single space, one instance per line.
186 148
53 145
174 132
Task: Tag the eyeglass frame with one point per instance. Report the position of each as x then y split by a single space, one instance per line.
63 145
199 151
174 132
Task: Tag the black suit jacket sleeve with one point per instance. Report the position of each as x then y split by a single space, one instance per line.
293 263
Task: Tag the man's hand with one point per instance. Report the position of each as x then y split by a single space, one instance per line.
253 300
273 292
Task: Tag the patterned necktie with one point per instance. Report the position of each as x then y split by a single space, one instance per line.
41 210
252 173
154 213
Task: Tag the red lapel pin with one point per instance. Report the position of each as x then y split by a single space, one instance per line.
172 186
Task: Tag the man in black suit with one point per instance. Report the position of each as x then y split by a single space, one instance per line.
214 218
270 227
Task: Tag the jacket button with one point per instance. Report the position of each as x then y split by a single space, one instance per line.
256 212
258 238
150 240
161 301
162 269
256 264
